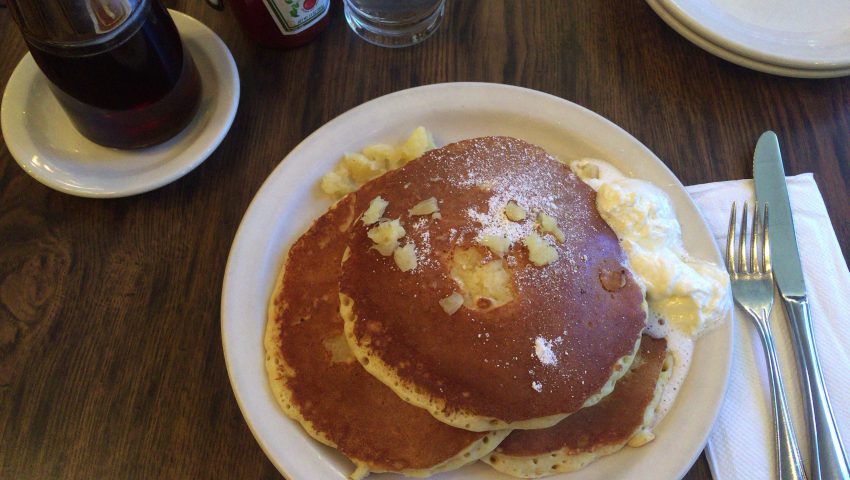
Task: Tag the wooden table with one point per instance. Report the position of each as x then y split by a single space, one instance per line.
111 363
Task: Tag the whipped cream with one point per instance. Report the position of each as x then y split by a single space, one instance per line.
691 294
686 296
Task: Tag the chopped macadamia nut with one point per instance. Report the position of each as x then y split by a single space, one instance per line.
425 207
361 168
514 212
355 169
419 142
386 249
550 225
498 244
338 183
585 170
376 210
539 252
452 303
386 235
405 257
641 438
386 155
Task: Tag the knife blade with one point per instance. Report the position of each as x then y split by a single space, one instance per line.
827 454
769 175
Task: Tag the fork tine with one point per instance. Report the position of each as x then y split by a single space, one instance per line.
742 242
755 242
766 254
730 241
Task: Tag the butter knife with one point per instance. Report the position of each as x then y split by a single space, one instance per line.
827 455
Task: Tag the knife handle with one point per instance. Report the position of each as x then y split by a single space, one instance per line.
827 454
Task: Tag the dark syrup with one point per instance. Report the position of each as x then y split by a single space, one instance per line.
138 89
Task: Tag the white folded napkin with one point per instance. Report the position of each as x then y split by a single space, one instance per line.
741 443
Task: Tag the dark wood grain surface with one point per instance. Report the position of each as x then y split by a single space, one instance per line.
111 363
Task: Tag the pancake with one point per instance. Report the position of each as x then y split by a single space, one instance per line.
317 381
620 418
533 341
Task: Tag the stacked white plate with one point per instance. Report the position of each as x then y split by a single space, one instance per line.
808 39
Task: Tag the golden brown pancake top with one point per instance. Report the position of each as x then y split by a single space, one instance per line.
484 362
364 418
612 421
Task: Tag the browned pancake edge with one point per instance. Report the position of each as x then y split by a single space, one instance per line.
592 432
321 385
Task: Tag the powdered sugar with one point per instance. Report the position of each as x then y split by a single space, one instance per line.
494 222
423 245
543 350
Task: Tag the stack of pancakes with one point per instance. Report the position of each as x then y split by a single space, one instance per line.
364 352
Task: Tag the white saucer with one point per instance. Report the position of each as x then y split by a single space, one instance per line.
42 139
737 58
810 35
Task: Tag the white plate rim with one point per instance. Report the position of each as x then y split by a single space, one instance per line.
208 50
253 250
738 59
749 45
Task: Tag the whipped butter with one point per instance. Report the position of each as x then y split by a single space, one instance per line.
691 294
687 296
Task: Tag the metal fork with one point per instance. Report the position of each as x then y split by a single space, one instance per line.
752 287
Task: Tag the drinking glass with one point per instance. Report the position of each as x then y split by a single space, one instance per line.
394 23
117 67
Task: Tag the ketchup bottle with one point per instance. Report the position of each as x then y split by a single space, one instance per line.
282 23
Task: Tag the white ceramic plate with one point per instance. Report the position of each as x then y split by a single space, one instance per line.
43 141
289 201
814 34
736 58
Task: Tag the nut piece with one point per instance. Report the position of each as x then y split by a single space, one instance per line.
376 210
550 225
514 212
405 257
585 170
641 438
337 183
386 235
498 244
360 168
539 252
355 169
386 155
419 142
452 303
425 207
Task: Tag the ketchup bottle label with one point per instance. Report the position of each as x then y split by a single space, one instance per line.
294 16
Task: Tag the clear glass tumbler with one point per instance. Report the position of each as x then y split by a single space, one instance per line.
117 67
394 23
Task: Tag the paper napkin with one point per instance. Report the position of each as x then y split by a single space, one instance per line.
741 443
